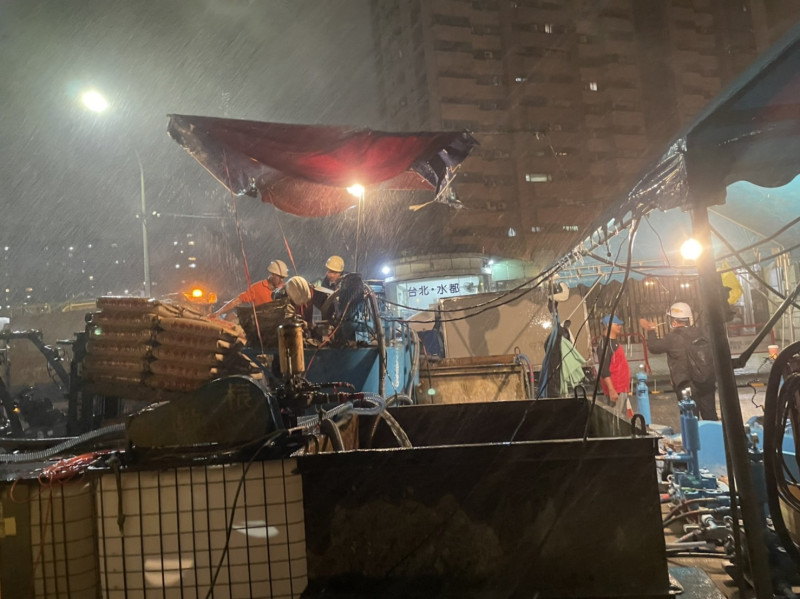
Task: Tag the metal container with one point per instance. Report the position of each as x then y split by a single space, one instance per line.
497 499
475 380
290 349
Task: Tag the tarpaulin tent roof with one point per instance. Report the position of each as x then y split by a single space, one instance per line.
305 169
749 133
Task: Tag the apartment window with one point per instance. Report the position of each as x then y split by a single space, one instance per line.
450 21
493 80
592 86
456 100
548 28
557 52
512 232
520 79
538 177
533 101
570 228
561 78
484 5
536 229
493 105
485 30
452 46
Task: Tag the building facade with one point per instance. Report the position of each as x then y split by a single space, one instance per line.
569 99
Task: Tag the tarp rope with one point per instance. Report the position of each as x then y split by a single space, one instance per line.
286 243
241 246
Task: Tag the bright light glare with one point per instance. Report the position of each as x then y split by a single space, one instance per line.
386 270
94 101
691 249
197 292
356 190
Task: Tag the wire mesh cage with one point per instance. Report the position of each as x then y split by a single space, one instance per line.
238 528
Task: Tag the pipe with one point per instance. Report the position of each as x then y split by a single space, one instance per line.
732 425
741 361
414 360
37 456
331 430
397 430
373 303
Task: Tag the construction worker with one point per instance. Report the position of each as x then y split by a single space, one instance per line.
688 357
615 373
335 268
324 288
261 292
300 293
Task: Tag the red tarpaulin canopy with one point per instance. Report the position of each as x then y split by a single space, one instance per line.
305 169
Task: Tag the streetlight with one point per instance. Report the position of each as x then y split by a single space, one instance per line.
95 102
358 191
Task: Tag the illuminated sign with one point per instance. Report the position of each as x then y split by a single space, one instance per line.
421 294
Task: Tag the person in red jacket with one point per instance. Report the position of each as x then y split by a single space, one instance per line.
615 374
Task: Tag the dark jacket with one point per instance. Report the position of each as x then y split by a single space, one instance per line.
675 344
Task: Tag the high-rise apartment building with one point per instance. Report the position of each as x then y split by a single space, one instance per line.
569 99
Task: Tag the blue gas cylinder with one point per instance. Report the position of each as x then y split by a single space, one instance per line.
643 394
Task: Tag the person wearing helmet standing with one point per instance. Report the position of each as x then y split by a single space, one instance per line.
260 292
689 364
615 373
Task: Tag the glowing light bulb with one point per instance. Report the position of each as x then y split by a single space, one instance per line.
691 249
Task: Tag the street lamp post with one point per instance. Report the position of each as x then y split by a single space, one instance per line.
143 216
358 191
95 102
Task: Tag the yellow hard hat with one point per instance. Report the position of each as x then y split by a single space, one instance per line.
335 264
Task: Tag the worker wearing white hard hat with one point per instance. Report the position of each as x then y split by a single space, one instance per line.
300 293
689 357
260 292
326 286
334 268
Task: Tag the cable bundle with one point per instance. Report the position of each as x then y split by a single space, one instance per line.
780 410
137 344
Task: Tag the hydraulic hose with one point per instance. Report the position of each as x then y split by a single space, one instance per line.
526 361
397 430
37 456
414 361
373 304
399 399
331 430
779 393
379 405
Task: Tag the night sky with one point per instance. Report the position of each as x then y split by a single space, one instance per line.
71 177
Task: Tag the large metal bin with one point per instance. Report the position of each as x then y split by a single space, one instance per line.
501 499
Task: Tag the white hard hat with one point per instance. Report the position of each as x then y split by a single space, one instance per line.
298 290
680 311
335 264
278 267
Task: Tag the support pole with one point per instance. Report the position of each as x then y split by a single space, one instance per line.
732 424
143 216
